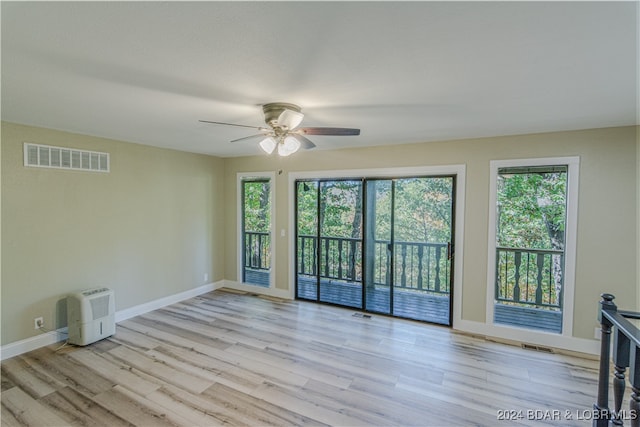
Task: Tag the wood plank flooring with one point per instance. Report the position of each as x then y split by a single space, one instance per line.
228 358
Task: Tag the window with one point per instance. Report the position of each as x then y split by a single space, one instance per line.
532 243
256 230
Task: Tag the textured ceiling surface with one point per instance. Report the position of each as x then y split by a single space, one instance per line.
402 72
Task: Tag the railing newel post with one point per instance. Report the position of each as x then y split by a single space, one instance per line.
602 403
634 379
621 347
634 407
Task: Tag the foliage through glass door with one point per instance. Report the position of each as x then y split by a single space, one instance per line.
392 235
329 241
409 232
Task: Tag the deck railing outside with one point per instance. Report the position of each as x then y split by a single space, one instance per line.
257 250
626 354
419 266
340 257
531 277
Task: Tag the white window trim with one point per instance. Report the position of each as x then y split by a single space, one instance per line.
458 170
243 176
573 164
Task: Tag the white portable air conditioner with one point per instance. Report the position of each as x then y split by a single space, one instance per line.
90 315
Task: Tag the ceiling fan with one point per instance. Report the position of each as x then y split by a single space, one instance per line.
282 129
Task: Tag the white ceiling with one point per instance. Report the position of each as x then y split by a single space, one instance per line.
402 72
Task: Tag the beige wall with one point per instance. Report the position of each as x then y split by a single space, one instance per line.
162 219
607 221
150 228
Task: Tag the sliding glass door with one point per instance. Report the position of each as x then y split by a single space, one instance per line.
421 236
381 245
379 271
329 241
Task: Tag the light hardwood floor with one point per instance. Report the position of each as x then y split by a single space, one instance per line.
237 359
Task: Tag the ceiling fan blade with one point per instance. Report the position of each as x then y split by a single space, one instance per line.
329 131
290 119
232 124
246 138
304 142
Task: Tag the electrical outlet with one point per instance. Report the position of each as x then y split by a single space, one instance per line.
38 323
598 333
206 276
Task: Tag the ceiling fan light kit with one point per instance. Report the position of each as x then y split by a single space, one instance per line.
283 120
268 144
288 146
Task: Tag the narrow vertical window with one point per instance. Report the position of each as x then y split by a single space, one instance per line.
256 233
530 236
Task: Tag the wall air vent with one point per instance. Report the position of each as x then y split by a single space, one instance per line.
47 156
537 348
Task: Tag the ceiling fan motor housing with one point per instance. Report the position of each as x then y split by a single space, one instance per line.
283 132
273 110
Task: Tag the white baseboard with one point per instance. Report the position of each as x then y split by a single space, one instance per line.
32 343
490 331
48 338
526 336
137 310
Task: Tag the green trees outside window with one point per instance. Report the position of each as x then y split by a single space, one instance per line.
256 231
530 245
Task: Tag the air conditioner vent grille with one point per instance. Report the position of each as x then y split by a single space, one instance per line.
47 156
